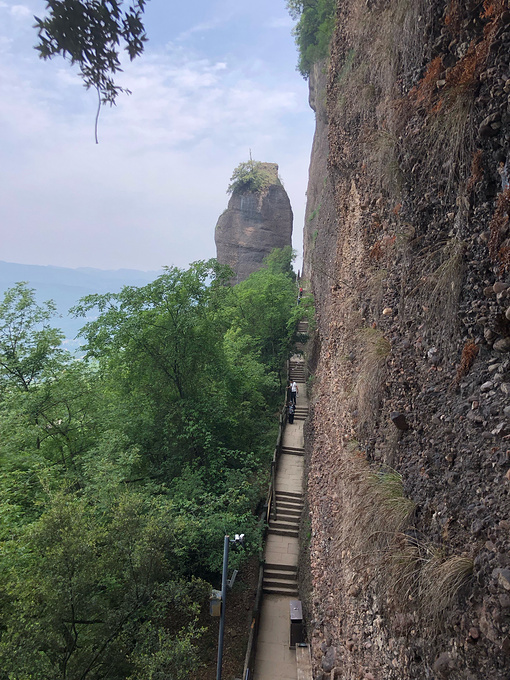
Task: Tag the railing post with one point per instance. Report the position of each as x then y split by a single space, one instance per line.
273 486
223 604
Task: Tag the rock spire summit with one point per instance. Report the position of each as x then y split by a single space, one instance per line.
257 220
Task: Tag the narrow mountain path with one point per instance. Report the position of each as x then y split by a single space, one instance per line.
274 659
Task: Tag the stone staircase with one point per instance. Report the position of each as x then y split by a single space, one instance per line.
274 658
289 508
300 413
280 579
297 371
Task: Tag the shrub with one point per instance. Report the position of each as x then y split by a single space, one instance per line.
251 176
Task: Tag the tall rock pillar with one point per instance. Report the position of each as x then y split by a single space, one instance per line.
257 220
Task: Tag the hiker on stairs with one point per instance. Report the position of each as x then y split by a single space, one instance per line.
294 389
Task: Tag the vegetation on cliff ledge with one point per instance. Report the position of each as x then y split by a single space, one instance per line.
252 176
313 31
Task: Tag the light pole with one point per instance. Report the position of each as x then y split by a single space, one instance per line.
238 540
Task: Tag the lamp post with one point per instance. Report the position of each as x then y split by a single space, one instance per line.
238 540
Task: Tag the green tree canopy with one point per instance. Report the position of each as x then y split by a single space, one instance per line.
28 346
313 31
121 472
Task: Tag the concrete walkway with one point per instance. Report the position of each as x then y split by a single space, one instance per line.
274 659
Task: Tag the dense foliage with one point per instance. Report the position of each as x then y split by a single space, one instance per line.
313 31
121 472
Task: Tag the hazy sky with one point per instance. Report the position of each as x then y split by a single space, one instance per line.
217 79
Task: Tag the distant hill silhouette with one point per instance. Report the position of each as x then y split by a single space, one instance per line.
66 286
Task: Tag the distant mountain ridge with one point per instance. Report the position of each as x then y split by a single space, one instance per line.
65 286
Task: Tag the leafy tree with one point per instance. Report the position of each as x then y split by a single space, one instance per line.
264 303
29 348
82 591
313 31
88 33
164 331
161 347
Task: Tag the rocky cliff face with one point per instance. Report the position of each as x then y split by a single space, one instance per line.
407 247
254 224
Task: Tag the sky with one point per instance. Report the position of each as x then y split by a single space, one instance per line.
217 81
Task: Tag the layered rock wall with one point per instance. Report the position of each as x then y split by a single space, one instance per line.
407 246
254 224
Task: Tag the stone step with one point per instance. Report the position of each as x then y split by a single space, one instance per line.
290 503
281 567
278 583
285 513
280 591
289 496
293 452
283 532
278 573
284 524
295 495
284 507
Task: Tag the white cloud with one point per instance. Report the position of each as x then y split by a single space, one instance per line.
5 44
281 22
179 99
151 192
203 27
20 12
